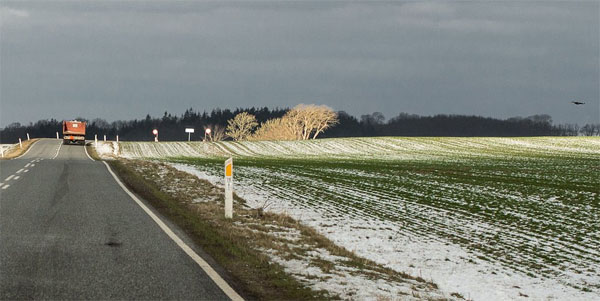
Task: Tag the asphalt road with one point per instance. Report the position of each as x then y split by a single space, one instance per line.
68 231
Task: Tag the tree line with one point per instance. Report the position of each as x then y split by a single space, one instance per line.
405 124
286 124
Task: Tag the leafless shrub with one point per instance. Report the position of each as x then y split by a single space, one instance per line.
300 123
275 129
218 133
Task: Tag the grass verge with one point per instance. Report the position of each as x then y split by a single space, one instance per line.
259 278
91 150
17 151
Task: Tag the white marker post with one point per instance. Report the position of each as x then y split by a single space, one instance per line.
229 188
189 131
57 135
2 151
28 136
117 138
95 140
104 138
20 144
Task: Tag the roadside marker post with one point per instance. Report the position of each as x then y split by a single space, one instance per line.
57 135
28 136
2 151
229 188
117 138
104 138
155 132
95 140
20 144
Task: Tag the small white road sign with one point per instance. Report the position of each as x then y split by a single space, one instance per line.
189 131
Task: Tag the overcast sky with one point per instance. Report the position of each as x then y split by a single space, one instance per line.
122 60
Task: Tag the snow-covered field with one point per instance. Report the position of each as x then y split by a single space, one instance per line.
6 147
405 148
489 218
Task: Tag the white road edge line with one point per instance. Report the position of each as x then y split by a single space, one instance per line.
27 165
20 170
203 264
86 152
9 177
6 186
57 151
30 147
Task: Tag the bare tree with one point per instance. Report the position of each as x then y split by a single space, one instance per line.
325 118
376 118
217 133
307 120
590 129
100 123
241 126
296 120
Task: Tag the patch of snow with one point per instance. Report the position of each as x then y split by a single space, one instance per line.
346 282
449 265
6 147
106 150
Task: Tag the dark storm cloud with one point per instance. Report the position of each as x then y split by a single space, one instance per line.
121 60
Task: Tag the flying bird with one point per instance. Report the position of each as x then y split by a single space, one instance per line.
577 103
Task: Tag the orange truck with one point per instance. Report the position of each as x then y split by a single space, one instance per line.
74 132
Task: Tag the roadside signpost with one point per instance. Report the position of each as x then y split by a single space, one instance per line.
155 132
206 132
190 131
229 188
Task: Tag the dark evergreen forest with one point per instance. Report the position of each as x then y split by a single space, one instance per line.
172 127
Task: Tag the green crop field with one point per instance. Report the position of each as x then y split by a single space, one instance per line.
528 205
537 215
